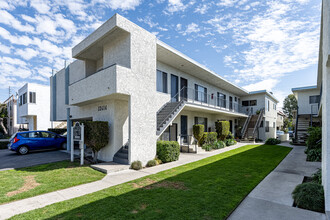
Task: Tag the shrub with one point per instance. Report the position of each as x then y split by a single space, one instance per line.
222 129
136 165
317 177
208 138
219 144
207 147
314 155
314 137
272 141
230 136
198 132
151 163
4 144
309 196
168 151
57 130
96 136
158 161
230 142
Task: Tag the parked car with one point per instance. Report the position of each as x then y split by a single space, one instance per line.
279 133
24 142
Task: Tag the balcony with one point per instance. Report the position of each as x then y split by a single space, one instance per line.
195 98
98 86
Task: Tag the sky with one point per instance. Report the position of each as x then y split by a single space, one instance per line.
265 44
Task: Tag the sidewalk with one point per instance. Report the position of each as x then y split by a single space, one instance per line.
272 199
14 208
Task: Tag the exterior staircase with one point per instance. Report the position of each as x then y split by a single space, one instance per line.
166 115
121 156
303 123
251 126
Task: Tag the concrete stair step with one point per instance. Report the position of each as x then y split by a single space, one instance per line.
120 160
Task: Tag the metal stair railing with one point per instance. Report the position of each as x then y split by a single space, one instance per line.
247 121
258 121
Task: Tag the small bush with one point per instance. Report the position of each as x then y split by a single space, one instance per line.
198 132
314 155
230 136
230 142
168 151
207 147
158 161
151 163
222 129
208 138
4 145
314 135
136 165
219 144
57 130
317 177
272 141
309 196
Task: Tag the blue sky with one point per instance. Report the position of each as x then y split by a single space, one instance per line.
255 44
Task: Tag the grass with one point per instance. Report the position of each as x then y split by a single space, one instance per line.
27 182
207 189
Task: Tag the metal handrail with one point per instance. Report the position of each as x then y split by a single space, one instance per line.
247 121
258 120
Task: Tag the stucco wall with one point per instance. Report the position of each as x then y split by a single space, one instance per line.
303 100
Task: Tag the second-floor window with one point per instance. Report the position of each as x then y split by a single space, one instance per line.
314 99
32 97
20 100
221 100
24 98
161 81
200 93
249 103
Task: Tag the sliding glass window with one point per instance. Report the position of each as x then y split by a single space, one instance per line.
161 81
221 100
200 93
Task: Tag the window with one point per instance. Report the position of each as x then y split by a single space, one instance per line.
32 97
33 134
314 99
161 81
235 99
267 126
274 106
201 121
47 135
20 100
24 98
221 100
249 103
268 103
200 93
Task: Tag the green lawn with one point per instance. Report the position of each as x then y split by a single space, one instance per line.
207 189
27 182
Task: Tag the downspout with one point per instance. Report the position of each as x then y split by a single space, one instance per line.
68 116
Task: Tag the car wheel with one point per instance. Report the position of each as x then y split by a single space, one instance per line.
63 146
22 150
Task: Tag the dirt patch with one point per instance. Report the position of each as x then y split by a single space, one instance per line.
29 183
143 183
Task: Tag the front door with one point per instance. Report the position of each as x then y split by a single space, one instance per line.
231 126
174 88
173 132
183 88
230 102
184 128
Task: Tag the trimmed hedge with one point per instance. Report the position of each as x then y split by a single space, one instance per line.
4 145
57 130
222 129
309 196
272 141
230 142
168 151
208 138
198 132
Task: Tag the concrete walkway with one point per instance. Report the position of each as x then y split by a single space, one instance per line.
272 199
14 208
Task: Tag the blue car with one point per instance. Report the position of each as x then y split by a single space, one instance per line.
24 142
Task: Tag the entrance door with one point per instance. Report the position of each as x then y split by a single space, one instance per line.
174 132
230 102
184 128
231 126
183 88
174 88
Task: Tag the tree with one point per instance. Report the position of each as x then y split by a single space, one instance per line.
290 103
3 118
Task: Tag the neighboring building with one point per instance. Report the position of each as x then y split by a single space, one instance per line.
33 107
12 125
146 90
280 120
307 113
323 84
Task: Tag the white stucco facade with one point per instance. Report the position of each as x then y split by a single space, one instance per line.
114 79
33 106
306 96
12 125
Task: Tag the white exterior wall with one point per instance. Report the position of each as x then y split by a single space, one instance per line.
303 100
12 114
39 110
324 74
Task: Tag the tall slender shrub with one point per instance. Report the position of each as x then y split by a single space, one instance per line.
222 129
198 132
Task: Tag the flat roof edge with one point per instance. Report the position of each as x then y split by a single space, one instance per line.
303 88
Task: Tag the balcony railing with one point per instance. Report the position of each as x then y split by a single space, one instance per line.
208 100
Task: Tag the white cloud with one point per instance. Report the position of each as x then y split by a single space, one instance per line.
4 49
119 4
148 20
267 84
177 5
202 9
8 19
191 28
27 53
42 6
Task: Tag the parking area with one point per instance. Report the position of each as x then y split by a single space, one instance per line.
10 160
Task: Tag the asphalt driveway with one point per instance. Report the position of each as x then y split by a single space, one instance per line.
10 160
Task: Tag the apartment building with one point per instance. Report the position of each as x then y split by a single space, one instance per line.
280 120
145 89
33 107
12 125
307 113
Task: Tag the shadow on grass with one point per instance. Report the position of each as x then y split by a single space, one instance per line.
192 191
52 166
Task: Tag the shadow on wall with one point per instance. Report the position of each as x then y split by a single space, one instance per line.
191 192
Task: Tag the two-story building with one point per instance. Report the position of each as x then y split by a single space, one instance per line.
306 115
11 104
144 88
33 107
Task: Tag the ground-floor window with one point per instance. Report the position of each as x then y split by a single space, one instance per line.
267 126
201 121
